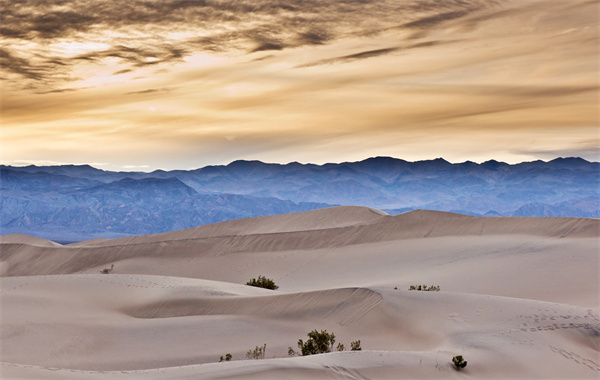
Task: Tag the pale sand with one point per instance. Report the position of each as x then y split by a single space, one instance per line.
519 299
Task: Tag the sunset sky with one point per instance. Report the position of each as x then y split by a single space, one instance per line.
147 84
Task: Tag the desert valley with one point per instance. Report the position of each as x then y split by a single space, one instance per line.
518 298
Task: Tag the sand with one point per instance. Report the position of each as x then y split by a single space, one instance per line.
519 298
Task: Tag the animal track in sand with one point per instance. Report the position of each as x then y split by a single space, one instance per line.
347 373
576 358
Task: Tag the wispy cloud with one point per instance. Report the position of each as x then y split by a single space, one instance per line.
373 53
151 91
588 149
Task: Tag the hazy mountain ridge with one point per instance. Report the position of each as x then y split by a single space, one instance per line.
73 202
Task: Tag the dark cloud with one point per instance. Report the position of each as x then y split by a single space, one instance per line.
20 66
264 46
351 57
124 71
368 54
374 53
431 21
57 24
12 33
151 90
138 57
262 58
314 37
220 26
58 91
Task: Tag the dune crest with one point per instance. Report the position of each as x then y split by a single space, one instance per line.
26 239
327 218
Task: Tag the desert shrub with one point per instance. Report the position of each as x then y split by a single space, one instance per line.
317 343
108 270
263 282
257 353
432 288
320 343
459 362
226 359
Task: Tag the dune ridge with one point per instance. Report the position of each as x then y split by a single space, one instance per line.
26 239
332 217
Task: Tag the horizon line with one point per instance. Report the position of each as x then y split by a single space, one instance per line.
132 167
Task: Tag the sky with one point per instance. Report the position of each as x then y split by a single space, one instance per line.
181 84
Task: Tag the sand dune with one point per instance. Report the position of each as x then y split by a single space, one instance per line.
333 217
26 239
519 299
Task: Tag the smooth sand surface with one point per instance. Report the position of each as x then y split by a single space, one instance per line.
519 299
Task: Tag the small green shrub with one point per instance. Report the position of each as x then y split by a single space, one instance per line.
263 282
320 343
317 343
257 353
432 288
226 359
459 362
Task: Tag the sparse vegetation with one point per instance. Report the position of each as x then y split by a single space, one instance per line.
317 343
257 353
431 288
226 359
320 343
459 362
263 282
108 270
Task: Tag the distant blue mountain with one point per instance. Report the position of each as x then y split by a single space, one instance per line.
77 202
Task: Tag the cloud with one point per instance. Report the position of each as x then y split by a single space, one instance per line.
146 31
124 71
268 45
22 66
432 21
58 91
151 90
351 57
138 57
587 149
373 53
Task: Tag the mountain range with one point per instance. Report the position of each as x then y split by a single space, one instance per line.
78 202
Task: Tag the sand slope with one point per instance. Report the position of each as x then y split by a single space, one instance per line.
26 239
519 299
